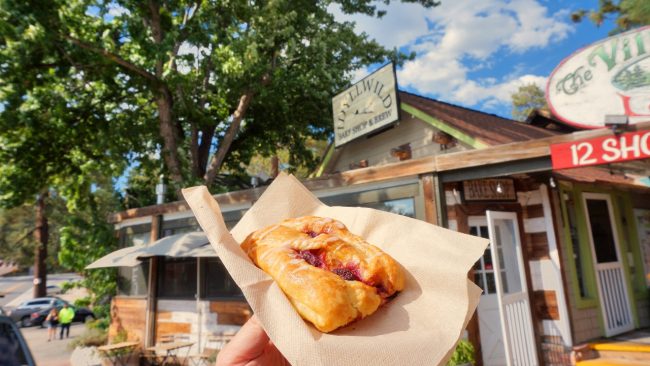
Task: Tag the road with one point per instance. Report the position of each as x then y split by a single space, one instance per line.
20 288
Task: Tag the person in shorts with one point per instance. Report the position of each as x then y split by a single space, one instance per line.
52 321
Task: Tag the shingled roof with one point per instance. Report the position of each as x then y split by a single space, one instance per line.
488 128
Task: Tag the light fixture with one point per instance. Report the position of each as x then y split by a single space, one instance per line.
551 182
499 188
617 122
456 195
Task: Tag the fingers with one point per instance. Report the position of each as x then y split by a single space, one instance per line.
249 344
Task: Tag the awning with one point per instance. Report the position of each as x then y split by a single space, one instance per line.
194 244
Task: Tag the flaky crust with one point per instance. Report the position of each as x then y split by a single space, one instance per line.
331 276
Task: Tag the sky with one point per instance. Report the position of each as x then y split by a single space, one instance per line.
476 53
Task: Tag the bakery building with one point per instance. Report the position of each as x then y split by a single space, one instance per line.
569 260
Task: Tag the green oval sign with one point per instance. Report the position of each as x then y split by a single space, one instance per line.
609 77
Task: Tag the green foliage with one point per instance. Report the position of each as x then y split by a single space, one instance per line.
464 353
92 86
526 99
627 14
102 313
86 237
17 241
82 302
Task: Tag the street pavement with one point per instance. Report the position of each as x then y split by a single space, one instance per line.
17 289
54 353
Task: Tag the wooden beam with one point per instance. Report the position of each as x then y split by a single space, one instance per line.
430 212
389 171
518 150
485 157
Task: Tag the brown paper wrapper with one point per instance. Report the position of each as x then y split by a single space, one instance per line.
420 326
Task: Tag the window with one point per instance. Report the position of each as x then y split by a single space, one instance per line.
483 269
177 278
216 282
404 206
132 281
601 231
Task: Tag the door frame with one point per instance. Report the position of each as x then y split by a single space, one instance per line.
619 253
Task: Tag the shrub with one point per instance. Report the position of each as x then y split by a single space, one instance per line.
82 302
91 337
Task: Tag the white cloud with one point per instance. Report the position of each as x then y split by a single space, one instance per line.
116 10
462 36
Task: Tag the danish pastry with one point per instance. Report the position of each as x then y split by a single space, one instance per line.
331 276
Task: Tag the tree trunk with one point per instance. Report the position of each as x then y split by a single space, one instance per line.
41 236
168 132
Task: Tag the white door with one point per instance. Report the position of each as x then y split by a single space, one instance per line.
606 254
492 348
512 290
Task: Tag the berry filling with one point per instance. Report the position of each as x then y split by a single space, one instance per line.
313 257
350 272
347 274
313 234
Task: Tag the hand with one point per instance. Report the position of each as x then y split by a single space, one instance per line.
251 347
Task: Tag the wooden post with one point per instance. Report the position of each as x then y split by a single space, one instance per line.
41 235
430 210
152 286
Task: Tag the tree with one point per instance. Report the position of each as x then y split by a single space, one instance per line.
206 84
526 99
93 87
627 14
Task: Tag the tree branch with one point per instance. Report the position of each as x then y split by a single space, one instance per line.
231 132
115 58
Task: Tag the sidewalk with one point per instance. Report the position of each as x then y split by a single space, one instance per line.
54 353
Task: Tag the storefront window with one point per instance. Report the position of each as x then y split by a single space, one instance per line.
132 281
216 282
404 206
177 278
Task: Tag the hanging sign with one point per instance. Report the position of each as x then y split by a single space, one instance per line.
366 106
489 190
601 150
610 77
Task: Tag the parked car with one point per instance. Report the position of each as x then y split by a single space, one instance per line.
22 314
13 348
81 314
52 290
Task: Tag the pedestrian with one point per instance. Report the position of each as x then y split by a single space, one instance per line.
65 319
52 321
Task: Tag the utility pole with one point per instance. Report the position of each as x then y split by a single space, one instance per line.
40 254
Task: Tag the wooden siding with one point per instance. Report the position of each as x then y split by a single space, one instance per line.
128 314
377 149
545 305
231 312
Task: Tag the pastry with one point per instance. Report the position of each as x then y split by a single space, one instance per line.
331 276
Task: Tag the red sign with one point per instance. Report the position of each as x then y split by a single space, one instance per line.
601 150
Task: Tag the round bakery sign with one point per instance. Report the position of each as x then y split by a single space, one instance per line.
610 77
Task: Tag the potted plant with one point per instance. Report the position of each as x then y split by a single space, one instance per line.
463 354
